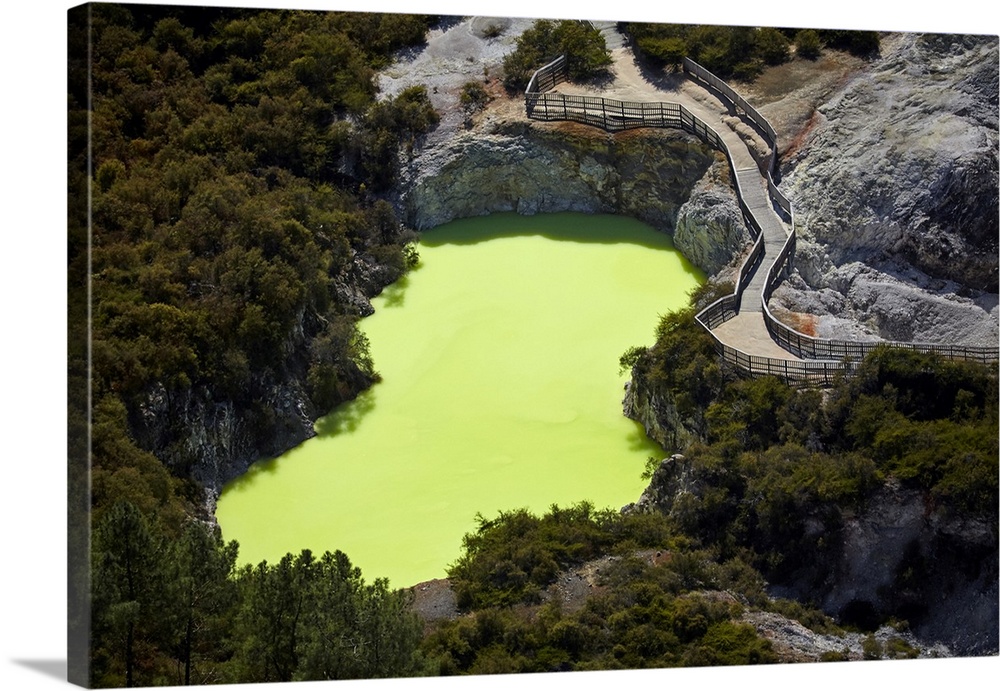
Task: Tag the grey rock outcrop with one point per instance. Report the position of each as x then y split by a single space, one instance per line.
528 168
896 195
955 601
793 642
659 416
674 480
221 439
710 230
896 555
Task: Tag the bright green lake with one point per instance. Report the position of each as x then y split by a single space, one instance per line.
500 389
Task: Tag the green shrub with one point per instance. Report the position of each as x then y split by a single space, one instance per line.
864 44
584 48
834 656
108 172
898 649
871 648
772 46
729 643
666 50
473 97
807 44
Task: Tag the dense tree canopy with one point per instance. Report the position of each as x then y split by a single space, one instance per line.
172 611
741 52
584 48
233 157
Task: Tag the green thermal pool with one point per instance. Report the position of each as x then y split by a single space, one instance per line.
500 389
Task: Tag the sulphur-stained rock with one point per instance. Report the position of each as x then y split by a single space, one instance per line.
896 194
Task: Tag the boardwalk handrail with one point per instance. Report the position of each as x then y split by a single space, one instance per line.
831 358
544 78
615 116
794 341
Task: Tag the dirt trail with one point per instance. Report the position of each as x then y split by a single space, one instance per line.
631 81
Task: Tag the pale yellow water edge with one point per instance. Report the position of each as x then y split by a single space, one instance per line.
500 389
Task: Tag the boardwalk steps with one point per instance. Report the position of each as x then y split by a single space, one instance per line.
613 38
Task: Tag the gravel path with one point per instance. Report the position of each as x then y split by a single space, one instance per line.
458 50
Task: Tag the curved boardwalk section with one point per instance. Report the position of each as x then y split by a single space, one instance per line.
746 334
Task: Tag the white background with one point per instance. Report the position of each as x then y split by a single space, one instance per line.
32 249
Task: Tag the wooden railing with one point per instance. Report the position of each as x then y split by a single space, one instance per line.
831 358
615 116
812 372
795 342
544 78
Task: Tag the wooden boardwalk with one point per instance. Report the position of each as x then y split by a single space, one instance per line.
746 334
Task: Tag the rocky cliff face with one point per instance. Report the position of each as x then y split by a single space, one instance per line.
710 230
221 439
895 188
656 176
897 556
212 439
901 556
659 416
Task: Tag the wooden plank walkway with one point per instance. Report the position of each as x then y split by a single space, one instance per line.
747 335
748 331
754 189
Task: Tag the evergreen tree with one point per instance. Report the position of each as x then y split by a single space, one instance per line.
199 570
128 596
272 603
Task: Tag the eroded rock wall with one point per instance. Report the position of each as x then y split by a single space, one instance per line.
213 441
534 168
896 196
710 230
659 416
895 556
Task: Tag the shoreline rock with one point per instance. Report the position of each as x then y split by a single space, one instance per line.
528 168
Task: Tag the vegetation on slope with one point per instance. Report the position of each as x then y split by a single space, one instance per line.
778 459
741 52
682 609
233 156
584 48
